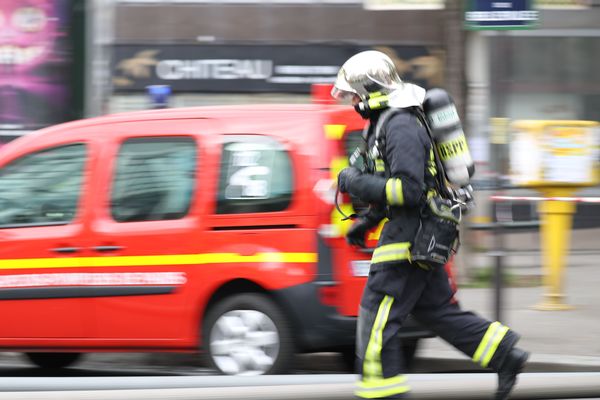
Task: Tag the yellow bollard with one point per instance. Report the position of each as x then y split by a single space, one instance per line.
556 222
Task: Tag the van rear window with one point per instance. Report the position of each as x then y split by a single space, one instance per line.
354 140
256 176
154 179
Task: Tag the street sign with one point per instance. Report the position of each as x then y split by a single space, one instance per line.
490 14
403 4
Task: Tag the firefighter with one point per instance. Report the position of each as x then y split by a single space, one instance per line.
395 185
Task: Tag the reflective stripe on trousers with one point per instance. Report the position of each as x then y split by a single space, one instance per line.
378 388
489 344
373 384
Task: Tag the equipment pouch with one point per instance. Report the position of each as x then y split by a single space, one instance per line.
437 237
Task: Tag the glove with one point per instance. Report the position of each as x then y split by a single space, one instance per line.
357 232
346 176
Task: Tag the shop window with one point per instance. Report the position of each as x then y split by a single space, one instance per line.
549 77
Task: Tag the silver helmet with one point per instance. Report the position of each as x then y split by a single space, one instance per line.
365 73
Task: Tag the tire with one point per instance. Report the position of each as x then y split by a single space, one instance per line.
53 360
247 334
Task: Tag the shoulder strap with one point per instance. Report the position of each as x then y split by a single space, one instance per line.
420 114
383 118
379 138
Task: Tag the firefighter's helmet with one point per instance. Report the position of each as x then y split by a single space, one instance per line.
366 73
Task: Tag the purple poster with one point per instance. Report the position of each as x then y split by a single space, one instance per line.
34 63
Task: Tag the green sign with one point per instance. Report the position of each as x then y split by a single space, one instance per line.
404 4
499 15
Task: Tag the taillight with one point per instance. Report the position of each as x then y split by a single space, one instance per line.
336 224
329 231
325 190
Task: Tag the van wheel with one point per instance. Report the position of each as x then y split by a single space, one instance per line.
53 360
247 334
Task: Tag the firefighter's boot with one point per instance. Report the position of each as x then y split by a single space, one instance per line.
508 371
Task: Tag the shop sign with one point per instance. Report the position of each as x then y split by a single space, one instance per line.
554 153
404 4
257 68
489 14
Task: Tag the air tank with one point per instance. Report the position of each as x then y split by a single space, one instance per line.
449 136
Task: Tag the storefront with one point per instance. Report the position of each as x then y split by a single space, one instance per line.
237 52
546 74
203 74
548 71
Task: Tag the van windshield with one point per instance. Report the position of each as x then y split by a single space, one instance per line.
42 188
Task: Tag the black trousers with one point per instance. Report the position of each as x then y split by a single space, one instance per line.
395 290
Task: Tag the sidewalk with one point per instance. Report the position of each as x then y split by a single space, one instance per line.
571 338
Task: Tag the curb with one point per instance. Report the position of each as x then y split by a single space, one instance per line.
444 361
299 387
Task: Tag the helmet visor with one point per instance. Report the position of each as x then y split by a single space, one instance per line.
341 94
341 88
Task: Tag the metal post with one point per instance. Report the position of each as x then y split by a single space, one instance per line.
499 244
503 212
99 43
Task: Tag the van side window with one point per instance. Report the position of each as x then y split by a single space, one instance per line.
42 188
154 179
256 176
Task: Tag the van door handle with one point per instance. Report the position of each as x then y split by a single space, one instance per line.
107 248
65 250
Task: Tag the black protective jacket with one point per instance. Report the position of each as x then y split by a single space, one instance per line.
396 185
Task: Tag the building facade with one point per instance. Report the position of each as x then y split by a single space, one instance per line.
247 51
547 72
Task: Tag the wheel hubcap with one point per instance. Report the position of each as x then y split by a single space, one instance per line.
244 342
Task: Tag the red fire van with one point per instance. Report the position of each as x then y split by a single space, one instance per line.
207 229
